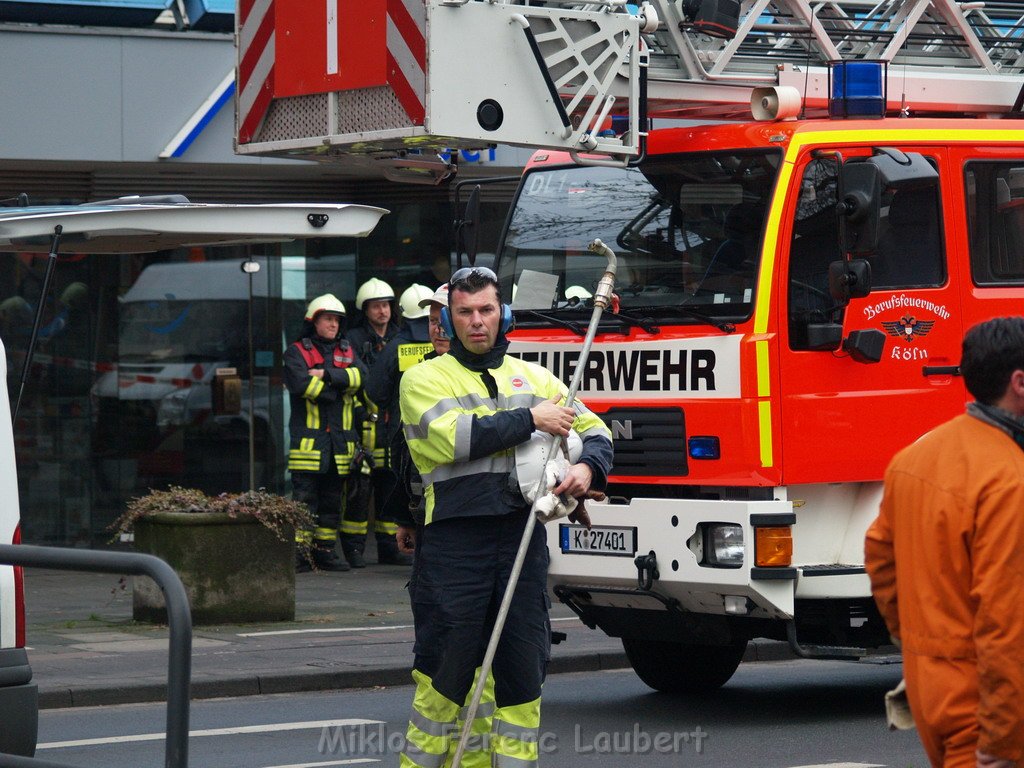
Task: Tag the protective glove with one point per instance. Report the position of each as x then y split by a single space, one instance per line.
897 708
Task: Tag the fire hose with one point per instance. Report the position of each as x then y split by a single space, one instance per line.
602 299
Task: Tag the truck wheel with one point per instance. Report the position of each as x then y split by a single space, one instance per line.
682 667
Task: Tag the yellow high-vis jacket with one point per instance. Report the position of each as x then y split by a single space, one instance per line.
462 427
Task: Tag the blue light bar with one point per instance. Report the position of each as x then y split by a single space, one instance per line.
704 447
857 88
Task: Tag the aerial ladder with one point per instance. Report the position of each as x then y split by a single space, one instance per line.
394 82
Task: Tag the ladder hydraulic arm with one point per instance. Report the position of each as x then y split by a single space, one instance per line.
422 76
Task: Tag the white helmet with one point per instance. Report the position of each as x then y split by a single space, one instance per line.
326 303
578 292
532 456
410 301
373 290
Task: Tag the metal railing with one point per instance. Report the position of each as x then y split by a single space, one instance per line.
179 622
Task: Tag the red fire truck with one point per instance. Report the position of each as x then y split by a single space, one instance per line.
792 288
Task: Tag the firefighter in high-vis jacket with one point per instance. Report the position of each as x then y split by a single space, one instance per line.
324 378
464 413
406 349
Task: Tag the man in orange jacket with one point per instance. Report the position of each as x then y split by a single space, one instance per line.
946 561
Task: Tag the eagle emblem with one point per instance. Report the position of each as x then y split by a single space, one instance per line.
908 327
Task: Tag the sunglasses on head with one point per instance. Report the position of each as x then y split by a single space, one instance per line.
464 274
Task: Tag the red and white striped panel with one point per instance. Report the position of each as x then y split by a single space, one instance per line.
407 55
255 64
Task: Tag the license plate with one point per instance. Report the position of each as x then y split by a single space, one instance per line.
617 541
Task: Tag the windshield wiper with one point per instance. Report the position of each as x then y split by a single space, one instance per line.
722 325
569 325
628 316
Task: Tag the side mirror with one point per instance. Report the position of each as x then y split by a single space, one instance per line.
901 171
865 346
849 280
467 229
860 207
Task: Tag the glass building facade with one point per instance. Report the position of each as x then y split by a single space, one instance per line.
120 395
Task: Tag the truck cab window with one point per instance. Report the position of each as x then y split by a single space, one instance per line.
995 220
687 230
814 246
910 246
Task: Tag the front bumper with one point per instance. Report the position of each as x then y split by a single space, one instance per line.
683 583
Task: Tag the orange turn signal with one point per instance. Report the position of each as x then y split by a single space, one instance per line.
773 546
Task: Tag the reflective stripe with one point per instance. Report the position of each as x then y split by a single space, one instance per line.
499 760
325 534
382 526
355 378
597 429
498 463
516 732
468 402
303 537
306 444
431 711
430 727
463 436
353 529
314 388
343 461
519 400
412 755
312 415
486 708
304 466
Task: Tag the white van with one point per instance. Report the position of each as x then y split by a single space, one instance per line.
129 226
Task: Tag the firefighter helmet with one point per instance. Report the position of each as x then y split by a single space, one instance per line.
326 303
410 301
535 475
373 289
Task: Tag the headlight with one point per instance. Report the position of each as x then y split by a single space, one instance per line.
725 545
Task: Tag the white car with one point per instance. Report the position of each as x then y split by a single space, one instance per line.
132 225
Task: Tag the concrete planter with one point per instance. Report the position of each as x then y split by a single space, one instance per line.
234 569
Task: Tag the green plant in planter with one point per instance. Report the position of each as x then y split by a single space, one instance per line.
235 553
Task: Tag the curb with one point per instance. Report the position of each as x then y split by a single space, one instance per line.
259 685
297 682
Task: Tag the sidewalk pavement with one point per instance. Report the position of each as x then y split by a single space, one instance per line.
351 630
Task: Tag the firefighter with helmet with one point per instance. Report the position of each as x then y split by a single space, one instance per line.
324 378
377 327
412 345
390 499
375 299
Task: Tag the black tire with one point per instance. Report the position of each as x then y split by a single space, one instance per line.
682 667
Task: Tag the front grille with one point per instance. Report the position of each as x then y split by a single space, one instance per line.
648 441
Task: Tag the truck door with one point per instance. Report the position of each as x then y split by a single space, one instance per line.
843 420
992 279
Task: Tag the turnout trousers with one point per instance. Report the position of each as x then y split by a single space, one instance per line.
462 568
323 493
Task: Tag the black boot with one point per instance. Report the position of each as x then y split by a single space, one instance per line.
326 559
352 547
388 554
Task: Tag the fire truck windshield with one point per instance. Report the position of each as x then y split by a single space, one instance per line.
687 231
